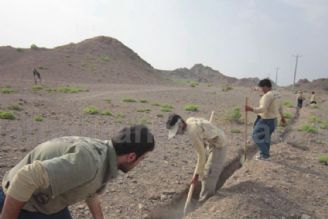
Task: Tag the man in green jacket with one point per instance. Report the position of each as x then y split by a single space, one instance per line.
66 170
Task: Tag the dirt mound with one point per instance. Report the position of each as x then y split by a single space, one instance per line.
100 59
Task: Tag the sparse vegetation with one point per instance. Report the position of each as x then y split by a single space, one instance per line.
233 115
14 107
143 110
19 50
194 84
226 88
70 89
129 100
38 118
166 108
105 58
37 88
235 131
106 113
143 101
314 119
324 159
33 46
108 100
7 115
144 121
308 128
314 106
324 125
42 67
288 104
7 90
191 107
91 110
159 115
287 115
156 104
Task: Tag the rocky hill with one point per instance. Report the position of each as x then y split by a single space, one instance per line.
97 60
206 74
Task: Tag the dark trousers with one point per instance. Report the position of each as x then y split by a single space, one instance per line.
263 129
63 214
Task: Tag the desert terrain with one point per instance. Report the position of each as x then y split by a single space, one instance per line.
99 86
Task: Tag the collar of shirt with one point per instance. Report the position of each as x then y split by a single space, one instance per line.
112 161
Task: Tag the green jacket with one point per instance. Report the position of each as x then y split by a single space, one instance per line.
78 168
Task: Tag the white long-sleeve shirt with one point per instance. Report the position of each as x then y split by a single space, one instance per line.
203 133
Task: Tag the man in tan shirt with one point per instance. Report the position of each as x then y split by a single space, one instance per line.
209 144
66 170
265 123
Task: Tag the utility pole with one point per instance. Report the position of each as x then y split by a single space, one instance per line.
277 69
296 63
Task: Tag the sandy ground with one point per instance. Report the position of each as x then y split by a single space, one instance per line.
292 184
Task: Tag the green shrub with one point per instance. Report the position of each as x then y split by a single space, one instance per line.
308 128
159 115
7 115
236 131
143 101
7 90
33 46
37 88
70 89
14 107
324 159
194 84
129 100
314 119
288 104
226 88
19 50
314 106
108 100
156 104
287 115
166 108
191 107
38 118
105 58
143 110
324 125
91 110
106 113
233 115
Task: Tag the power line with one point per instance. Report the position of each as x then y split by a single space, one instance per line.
277 69
295 71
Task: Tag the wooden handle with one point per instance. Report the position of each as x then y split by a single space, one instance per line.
246 121
191 191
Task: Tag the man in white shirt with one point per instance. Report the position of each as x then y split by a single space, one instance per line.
209 143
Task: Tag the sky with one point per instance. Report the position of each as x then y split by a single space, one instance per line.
240 38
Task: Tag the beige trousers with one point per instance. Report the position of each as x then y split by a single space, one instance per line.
213 168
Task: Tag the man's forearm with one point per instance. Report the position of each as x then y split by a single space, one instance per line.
95 207
11 208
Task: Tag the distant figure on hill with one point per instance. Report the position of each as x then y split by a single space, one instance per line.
300 99
313 98
37 76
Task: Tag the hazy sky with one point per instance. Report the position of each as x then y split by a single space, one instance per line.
241 38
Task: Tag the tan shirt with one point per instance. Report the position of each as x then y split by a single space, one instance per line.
63 171
313 98
203 134
269 106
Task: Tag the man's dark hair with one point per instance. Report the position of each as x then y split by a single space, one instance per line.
137 139
172 120
313 92
265 83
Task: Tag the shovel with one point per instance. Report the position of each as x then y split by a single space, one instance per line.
243 158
